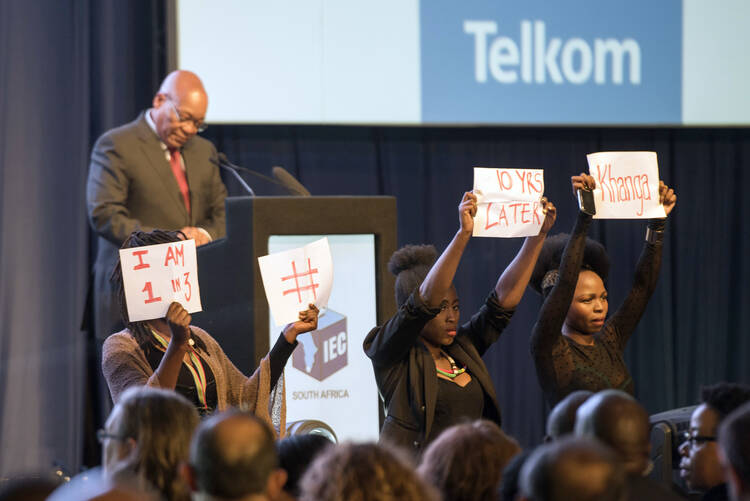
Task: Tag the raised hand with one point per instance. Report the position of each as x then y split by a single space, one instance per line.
548 208
667 197
467 209
582 182
308 321
178 320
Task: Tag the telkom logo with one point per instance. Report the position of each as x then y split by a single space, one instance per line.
538 56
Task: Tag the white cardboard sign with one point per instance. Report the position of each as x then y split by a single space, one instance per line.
156 275
295 278
627 184
508 202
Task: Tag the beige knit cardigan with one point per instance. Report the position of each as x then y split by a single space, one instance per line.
124 365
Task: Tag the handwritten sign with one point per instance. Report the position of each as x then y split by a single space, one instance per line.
627 184
508 202
295 278
156 275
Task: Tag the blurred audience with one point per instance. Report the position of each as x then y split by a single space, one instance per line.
734 447
148 454
573 468
509 485
466 461
619 421
562 419
94 485
233 457
700 465
147 435
296 453
364 472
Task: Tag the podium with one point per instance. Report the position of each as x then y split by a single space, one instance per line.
235 310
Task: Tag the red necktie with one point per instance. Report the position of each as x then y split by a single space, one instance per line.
179 174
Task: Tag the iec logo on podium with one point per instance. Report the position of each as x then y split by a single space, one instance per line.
323 352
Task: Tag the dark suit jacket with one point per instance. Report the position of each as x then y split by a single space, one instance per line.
405 371
131 187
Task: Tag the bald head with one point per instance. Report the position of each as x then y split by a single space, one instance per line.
233 455
183 85
179 108
562 419
618 420
572 468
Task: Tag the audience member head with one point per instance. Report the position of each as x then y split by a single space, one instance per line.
148 434
363 472
562 419
619 421
179 108
579 468
700 466
734 444
296 453
233 456
509 485
466 461
410 264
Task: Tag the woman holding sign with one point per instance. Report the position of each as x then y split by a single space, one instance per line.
170 353
589 353
428 367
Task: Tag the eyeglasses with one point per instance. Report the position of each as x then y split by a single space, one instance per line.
200 126
695 440
102 435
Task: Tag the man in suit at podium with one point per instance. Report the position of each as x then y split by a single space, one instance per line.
154 172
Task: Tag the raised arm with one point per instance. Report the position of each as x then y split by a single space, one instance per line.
440 277
178 320
246 391
626 318
391 341
548 328
514 279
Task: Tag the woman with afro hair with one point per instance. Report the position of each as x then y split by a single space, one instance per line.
570 275
428 367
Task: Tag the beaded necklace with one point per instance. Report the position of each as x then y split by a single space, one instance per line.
455 371
196 368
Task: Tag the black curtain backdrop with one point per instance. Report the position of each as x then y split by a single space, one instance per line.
70 69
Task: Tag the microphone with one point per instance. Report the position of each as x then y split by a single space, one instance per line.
227 165
289 181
